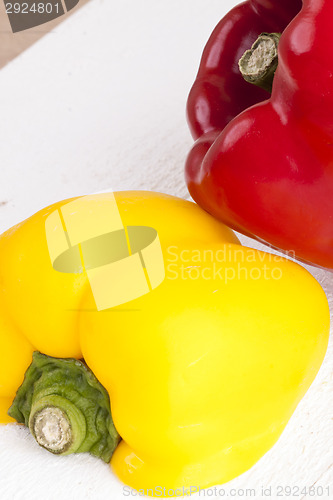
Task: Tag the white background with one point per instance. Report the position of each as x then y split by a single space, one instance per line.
100 103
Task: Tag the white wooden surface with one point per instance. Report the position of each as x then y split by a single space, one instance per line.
100 103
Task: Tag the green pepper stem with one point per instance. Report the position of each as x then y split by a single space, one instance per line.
258 64
57 424
65 407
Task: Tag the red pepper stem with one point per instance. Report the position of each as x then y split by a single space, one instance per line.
258 65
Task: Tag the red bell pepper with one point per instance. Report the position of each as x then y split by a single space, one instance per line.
268 173
219 92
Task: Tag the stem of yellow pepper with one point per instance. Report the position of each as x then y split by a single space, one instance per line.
65 407
258 64
57 424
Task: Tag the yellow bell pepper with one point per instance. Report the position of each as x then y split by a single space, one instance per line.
203 372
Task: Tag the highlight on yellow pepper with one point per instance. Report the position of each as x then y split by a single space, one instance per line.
201 365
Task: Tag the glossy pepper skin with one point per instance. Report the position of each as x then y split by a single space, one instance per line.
268 173
38 306
205 375
203 372
219 92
